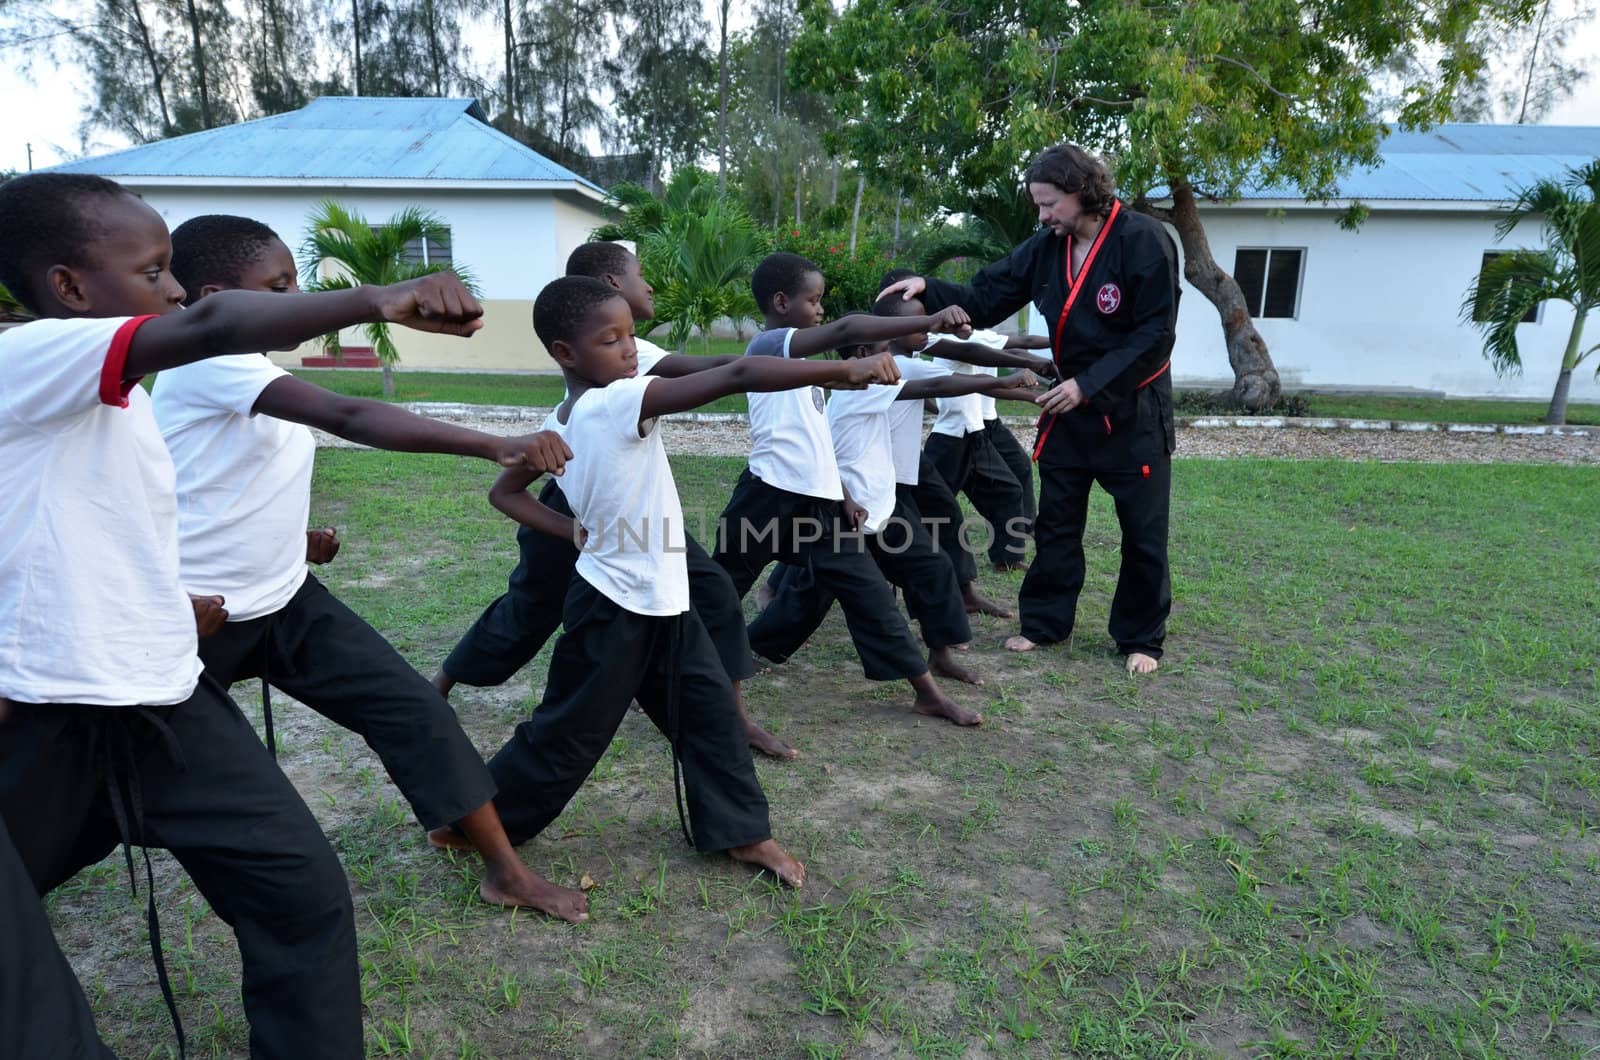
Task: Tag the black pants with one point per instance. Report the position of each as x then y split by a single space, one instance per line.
1048 600
606 658
971 465
194 779
907 557
763 523
513 628
1018 460
942 515
43 1012
323 654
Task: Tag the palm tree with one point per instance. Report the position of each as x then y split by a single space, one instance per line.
996 219
363 253
700 264
1565 269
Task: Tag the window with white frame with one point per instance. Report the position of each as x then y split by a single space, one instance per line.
1270 278
427 250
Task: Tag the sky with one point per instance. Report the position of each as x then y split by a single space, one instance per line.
42 105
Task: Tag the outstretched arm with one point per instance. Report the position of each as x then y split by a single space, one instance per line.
252 321
989 357
957 385
675 365
860 329
385 426
762 375
510 495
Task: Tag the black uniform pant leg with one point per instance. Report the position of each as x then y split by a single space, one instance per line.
799 606
906 555
513 628
42 1007
751 531
231 818
1048 599
1018 461
714 599
690 699
1143 598
326 656
997 496
597 668
942 516
845 569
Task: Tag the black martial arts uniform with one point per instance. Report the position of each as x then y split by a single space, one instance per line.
43 1013
763 523
1112 329
513 628
194 779
1020 463
936 505
326 656
972 465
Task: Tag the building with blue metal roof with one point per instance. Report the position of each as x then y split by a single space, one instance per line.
1380 308
513 214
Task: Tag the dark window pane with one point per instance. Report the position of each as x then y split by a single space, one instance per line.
1250 269
439 248
1530 317
1283 283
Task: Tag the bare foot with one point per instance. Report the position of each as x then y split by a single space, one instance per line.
768 855
935 704
451 838
443 682
1019 643
532 891
943 663
764 596
1019 565
1140 663
768 744
978 604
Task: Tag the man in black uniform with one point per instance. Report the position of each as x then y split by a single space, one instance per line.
1106 280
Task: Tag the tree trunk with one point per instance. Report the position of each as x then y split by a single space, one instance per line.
799 182
511 84
894 247
434 59
388 381
157 75
355 18
722 105
1255 380
200 66
833 184
1569 361
855 217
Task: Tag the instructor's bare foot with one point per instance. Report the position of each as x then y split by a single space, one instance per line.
978 604
1140 663
768 855
529 890
768 744
1019 643
451 838
942 661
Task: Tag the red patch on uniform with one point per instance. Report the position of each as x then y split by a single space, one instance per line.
1108 298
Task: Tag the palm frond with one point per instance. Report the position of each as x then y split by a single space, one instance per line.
1507 289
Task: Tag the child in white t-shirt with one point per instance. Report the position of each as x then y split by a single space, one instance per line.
630 632
113 733
790 504
238 431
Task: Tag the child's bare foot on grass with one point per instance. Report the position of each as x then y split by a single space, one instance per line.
1140 663
768 855
451 838
935 704
978 604
1019 643
442 683
1003 567
763 741
942 661
529 890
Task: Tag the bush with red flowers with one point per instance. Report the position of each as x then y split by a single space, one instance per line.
853 279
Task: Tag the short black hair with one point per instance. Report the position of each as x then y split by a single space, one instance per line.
896 304
895 276
216 248
849 350
1075 171
48 219
780 273
599 259
565 303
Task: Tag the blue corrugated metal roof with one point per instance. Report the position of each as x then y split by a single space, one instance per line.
344 138
1464 163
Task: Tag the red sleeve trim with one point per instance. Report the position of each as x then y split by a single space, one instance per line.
114 390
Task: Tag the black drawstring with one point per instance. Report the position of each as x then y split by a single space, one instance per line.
266 713
129 816
674 678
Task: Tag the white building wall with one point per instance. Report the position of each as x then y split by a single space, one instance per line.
1379 307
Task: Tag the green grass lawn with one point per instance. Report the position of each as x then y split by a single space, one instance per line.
1354 815
545 390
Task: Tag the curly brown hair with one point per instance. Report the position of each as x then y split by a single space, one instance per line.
1074 170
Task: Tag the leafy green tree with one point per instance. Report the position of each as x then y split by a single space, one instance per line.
665 81
1192 102
343 250
1565 269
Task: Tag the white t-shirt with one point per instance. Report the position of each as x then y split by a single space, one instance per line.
790 445
649 353
621 490
960 416
859 421
244 483
905 419
91 610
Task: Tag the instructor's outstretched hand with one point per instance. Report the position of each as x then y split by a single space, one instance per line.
908 288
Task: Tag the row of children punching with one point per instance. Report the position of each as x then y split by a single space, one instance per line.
155 551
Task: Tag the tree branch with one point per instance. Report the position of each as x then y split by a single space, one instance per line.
1256 74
